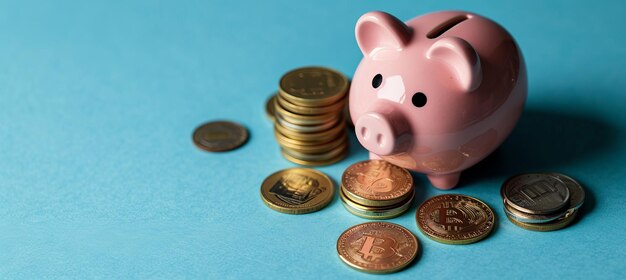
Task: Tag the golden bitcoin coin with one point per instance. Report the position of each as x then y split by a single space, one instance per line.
269 108
313 86
297 191
376 213
455 219
376 183
219 136
377 247
549 226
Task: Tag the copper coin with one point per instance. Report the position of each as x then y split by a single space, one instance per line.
536 193
297 190
376 183
219 136
455 219
377 247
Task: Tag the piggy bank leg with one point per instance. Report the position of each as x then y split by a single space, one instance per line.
374 156
444 182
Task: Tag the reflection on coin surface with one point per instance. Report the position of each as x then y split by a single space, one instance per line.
313 86
377 247
536 193
297 190
219 136
550 226
455 219
376 183
376 213
576 191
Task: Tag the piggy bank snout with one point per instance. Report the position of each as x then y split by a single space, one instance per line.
382 134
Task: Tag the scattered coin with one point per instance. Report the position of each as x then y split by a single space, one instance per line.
455 219
219 136
541 193
536 193
377 247
297 190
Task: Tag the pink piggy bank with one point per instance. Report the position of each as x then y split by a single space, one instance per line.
436 94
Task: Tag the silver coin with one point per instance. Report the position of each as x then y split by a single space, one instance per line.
536 193
530 218
576 191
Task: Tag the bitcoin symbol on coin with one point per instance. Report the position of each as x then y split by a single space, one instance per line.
376 180
377 247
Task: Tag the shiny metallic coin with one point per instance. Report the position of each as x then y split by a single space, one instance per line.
307 128
376 213
530 218
318 157
331 133
304 147
377 247
302 110
313 163
281 138
536 193
302 119
297 191
376 183
550 226
269 108
576 191
219 136
455 219
313 86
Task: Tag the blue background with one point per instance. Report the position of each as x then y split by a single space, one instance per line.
99 177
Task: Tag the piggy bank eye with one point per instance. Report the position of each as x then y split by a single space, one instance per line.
378 79
419 99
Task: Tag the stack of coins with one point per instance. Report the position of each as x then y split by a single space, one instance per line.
377 247
309 122
455 219
542 201
376 189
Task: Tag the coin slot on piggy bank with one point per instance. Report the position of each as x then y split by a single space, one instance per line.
428 89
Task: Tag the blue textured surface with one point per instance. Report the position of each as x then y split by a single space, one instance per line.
99 177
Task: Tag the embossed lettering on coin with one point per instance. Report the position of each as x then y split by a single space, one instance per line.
297 190
536 193
373 182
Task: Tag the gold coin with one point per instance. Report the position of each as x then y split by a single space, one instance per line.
317 157
549 226
320 148
297 190
302 110
376 183
455 219
306 128
281 138
377 247
323 135
313 86
376 213
219 136
303 119
313 163
269 108
530 218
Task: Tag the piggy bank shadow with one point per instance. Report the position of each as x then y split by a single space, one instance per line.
545 141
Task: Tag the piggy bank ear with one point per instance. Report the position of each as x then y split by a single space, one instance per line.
460 58
379 30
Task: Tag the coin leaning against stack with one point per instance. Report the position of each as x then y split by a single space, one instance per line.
309 122
376 189
541 201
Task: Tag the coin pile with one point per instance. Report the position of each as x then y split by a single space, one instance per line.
297 191
377 247
376 189
541 201
455 219
309 122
